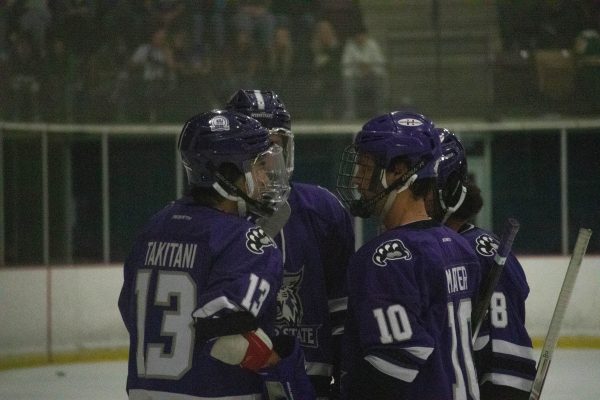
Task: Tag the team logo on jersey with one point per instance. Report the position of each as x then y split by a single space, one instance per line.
392 250
257 239
289 306
486 245
218 123
290 312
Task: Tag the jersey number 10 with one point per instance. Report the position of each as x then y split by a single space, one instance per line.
394 325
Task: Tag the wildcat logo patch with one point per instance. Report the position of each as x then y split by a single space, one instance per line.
486 245
289 305
290 312
392 250
257 239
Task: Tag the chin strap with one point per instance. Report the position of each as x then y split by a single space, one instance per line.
231 192
392 195
241 204
451 210
364 208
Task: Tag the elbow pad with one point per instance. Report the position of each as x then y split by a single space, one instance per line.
250 350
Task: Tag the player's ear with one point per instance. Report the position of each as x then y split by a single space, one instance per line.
398 168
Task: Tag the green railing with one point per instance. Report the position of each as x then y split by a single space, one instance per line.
79 193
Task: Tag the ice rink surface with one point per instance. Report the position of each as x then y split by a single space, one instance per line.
574 375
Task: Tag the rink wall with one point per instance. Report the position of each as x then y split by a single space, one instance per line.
46 312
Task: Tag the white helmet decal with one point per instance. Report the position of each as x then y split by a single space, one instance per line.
409 122
219 123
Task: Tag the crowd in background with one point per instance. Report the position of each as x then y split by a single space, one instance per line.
550 56
143 60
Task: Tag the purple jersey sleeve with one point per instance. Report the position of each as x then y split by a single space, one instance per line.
503 348
316 243
245 273
194 262
410 295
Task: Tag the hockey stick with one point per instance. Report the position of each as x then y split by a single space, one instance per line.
581 244
483 303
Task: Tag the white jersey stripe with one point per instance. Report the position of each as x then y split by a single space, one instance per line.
214 306
420 352
507 380
404 374
504 347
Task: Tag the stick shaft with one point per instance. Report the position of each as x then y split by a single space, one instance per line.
487 289
581 244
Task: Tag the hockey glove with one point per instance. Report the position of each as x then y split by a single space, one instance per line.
287 379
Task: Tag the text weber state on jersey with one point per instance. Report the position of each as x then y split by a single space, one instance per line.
171 255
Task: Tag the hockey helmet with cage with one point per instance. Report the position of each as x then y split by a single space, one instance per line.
210 140
398 135
267 108
452 173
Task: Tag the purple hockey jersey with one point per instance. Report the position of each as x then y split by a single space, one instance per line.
316 243
503 348
194 260
411 291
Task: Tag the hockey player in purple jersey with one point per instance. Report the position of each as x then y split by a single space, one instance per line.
503 350
316 242
201 281
411 289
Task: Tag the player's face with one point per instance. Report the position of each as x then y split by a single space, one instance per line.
285 139
267 178
363 178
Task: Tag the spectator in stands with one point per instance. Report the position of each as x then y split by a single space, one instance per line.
587 70
75 22
57 91
154 60
208 24
36 20
121 88
326 63
192 78
4 11
106 74
518 27
254 18
4 46
300 18
241 64
364 72
24 77
280 58
345 15
123 19
170 12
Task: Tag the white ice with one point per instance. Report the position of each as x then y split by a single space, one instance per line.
574 375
